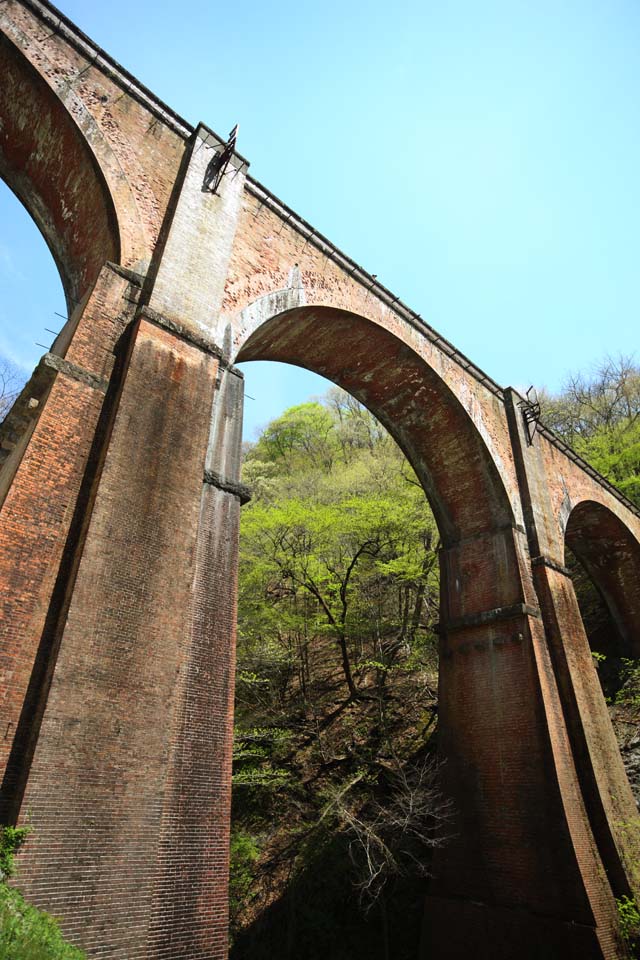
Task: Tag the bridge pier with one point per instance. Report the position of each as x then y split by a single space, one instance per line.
52 457
608 800
128 791
520 876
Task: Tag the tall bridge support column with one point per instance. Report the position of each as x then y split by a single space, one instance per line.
609 801
520 875
606 802
52 457
127 779
129 789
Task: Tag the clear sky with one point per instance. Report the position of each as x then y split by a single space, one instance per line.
481 158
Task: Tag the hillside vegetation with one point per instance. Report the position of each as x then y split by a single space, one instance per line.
599 416
26 933
336 806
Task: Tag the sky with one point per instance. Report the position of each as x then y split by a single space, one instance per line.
481 158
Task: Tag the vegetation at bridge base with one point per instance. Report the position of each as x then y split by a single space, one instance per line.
629 917
336 801
25 933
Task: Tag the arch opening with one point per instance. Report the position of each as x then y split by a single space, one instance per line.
331 489
408 397
478 560
604 558
31 317
32 312
46 160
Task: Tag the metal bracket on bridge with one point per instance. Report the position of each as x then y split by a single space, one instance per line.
530 413
219 163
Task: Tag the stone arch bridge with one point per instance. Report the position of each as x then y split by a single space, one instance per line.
119 506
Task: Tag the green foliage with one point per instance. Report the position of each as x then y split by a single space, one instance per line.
629 675
256 752
336 671
30 934
244 853
629 918
26 933
599 416
339 542
11 839
615 453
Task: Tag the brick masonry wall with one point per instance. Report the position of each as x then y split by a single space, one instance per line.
270 255
37 529
134 153
521 833
118 564
105 770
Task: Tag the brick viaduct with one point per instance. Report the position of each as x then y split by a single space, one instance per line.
119 506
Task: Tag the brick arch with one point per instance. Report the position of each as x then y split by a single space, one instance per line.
610 554
409 398
50 163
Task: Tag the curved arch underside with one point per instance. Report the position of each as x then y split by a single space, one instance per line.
48 164
408 397
611 556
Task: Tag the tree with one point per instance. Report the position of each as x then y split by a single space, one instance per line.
335 701
389 838
337 542
10 385
599 416
346 556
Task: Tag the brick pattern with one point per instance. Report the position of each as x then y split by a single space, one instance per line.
605 788
190 910
40 522
522 844
122 157
105 770
118 564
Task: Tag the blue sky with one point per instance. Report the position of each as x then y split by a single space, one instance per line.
481 158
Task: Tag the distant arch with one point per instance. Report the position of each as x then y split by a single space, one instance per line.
47 161
610 554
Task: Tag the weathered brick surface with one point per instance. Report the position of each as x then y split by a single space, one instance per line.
190 279
106 757
605 544
90 145
40 525
119 526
